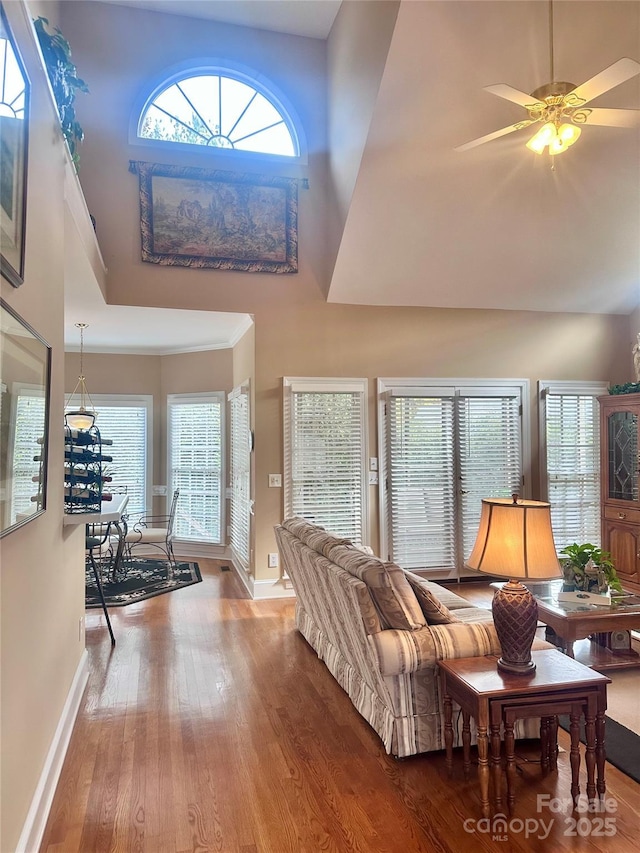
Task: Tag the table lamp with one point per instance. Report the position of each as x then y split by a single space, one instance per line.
515 540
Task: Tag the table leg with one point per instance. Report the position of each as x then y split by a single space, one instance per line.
569 648
600 751
496 766
574 755
544 744
509 749
483 768
553 743
466 743
590 755
448 733
121 529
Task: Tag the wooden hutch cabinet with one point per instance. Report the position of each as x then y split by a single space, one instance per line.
620 473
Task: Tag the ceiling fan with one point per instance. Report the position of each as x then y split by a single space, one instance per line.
560 106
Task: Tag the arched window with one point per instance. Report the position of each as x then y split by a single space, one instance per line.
218 108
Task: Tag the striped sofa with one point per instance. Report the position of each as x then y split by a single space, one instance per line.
381 630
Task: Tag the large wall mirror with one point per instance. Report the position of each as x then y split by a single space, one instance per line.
25 362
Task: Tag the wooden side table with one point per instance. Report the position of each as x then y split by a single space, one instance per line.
558 685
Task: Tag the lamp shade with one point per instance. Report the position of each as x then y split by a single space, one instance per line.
515 540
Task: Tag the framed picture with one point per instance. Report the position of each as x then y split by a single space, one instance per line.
25 369
14 122
210 219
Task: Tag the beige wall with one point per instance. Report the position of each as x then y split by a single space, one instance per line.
42 573
357 50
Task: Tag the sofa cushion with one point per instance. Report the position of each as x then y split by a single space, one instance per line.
434 610
390 591
444 594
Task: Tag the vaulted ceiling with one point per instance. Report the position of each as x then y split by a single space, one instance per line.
494 226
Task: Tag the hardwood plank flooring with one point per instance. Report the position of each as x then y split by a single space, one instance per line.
213 726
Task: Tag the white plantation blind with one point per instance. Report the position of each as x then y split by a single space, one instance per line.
446 449
490 448
240 475
27 445
571 454
325 454
195 464
127 422
421 481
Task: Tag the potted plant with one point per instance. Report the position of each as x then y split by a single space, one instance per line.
589 568
64 82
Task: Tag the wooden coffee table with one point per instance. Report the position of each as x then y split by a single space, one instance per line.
573 621
558 685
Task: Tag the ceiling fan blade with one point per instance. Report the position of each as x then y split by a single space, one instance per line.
495 135
622 70
613 118
502 90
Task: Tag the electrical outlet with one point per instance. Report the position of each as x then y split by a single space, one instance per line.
275 481
80 628
272 561
373 478
159 491
373 463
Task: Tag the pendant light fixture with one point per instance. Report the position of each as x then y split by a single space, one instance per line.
80 418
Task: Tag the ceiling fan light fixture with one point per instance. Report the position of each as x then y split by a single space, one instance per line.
566 136
545 136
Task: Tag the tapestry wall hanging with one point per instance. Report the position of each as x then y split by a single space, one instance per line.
211 219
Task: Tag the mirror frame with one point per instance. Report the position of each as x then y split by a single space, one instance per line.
35 365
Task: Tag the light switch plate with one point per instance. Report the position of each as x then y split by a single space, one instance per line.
275 481
272 561
373 463
159 491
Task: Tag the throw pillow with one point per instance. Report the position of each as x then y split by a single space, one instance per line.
434 611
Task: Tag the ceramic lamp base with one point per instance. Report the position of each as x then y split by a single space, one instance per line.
515 615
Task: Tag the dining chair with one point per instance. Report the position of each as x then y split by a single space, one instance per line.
154 530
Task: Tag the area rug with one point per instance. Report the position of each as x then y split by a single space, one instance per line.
621 745
144 578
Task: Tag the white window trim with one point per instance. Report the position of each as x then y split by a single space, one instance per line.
125 401
243 389
556 386
409 386
318 385
196 399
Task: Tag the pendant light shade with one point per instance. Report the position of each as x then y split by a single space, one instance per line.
80 418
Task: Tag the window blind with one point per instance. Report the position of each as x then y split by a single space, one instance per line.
240 476
445 452
490 451
325 455
572 434
126 427
421 482
195 464
27 444
125 420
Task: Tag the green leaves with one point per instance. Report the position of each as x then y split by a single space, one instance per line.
64 81
579 555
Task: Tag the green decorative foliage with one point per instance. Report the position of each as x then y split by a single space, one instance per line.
587 564
628 388
64 82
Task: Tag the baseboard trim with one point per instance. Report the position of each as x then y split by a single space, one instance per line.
34 825
272 588
245 578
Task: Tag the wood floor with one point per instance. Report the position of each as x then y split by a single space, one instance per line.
213 726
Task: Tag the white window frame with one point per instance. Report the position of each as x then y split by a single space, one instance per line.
243 559
559 387
128 401
23 390
198 399
291 384
228 68
424 386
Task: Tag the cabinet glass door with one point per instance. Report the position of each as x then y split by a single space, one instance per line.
623 456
